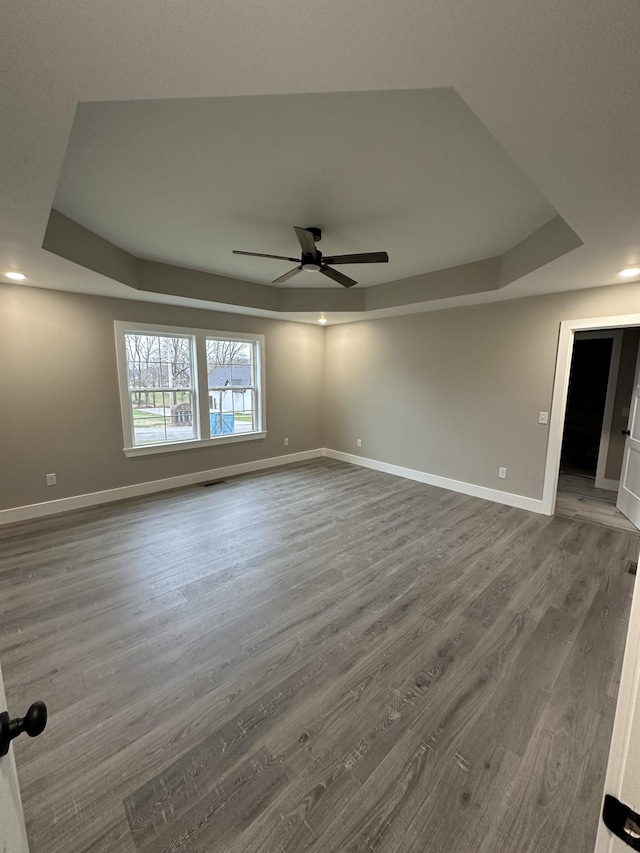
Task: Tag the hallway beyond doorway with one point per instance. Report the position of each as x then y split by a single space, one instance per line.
579 499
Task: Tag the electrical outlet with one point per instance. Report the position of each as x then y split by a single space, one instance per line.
543 417
358 442
502 473
286 442
51 480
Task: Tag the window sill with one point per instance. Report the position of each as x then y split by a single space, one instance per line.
151 449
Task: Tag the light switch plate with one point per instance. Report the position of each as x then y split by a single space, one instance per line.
543 417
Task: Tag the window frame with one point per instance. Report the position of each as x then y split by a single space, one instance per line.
200 381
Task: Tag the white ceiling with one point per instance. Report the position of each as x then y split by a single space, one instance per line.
414 173
556 84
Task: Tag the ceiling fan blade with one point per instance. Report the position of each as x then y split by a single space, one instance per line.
261 255
362 258
342 279
307 242
286 276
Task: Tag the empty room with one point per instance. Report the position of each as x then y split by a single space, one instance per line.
320 457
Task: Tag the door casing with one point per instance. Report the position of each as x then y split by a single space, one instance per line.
568 329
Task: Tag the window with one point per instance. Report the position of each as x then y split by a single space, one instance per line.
188 387
160 388
232 386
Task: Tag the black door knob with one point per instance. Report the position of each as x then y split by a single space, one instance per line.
33 723
625 432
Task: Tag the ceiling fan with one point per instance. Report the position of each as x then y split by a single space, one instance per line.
312 259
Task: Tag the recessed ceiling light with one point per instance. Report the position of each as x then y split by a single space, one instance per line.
323 320
15 276
629 272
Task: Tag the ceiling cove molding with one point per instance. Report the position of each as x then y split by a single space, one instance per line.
462 280
75 243
553 240
72 241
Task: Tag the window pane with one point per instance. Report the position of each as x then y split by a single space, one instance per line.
157 375
175 349
159 417
178 375
142 348
229 365
179 416
232 412
155 365
241 374
158 361
148 417
134 375
244 411
143 362
229 362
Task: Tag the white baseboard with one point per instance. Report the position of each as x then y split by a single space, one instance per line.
495 495
610 485
23 513
39 510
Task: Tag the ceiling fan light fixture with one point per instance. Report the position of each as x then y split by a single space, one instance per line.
310 266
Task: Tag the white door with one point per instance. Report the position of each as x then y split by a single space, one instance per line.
629 493
13 836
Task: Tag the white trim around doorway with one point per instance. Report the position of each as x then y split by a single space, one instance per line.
568 328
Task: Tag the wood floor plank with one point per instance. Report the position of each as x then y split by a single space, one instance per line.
580 831
217 815
545 789
305 806
476 758
578 498
319 657
380 806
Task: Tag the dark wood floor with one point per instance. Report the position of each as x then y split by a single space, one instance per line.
318 657
578 498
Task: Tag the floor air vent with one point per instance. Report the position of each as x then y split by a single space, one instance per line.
213 483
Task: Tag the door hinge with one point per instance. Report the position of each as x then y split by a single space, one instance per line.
622 821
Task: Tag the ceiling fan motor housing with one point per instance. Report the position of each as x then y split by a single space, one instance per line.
311 263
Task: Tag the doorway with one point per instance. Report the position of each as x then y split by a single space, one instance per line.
599 383
587 452
591 366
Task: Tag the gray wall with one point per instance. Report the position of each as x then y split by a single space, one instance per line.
474 380
60 408
624 387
